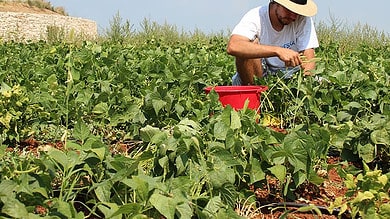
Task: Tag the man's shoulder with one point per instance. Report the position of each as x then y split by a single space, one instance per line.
257 12
259 9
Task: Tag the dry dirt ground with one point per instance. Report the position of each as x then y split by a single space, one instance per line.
24 8
318 195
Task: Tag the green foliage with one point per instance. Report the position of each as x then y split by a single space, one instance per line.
367 195
118 31
14 103
347 36
193 157
39 3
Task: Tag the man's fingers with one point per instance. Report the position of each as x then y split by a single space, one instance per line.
291 58
296 61
292 63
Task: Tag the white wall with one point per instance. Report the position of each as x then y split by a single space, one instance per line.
33 27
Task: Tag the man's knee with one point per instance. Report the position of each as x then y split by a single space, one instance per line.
250 67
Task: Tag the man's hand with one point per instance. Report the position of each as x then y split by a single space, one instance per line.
309 54
289 57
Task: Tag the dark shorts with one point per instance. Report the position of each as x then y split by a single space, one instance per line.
284 73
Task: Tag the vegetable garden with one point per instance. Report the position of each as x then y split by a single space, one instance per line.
124 129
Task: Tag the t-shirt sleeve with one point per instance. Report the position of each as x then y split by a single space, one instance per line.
249 25
307 36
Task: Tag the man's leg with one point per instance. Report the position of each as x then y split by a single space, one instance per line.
248 68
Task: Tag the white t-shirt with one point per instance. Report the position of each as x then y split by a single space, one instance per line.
298 36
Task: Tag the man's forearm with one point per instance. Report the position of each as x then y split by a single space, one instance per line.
308 64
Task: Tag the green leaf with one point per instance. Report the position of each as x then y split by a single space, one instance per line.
226 115
66 209
184 211
4 87
380 136
213 206
6 120
84 96
226 157
370 94
228 213
343 116
73 145
367 152
179 109
256 173
341 76
60 157
220 130
164 162
181 163
318 112
299 177
352 105
96 49
3 149
101 108
75 75
148 132
384 211
361 196
81 131
52 81
279 171
339 136
130 210
189 127
158 105
100 152
228 194
383 180
7 187
314 178
103 192
143 185
74 158
235 120
13 207
221 176
295 148
109 209
165 205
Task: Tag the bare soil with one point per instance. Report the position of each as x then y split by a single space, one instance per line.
272 204
24 8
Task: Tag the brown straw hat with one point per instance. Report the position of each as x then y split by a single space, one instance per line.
302 7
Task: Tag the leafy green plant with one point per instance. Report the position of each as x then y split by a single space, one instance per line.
23 185
182 154
367 195
118 31
14 111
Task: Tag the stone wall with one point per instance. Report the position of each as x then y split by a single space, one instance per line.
33 27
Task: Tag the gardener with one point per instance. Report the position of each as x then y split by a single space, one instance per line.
274 38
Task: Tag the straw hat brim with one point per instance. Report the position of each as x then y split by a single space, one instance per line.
308 10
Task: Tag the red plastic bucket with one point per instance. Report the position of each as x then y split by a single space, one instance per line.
235 96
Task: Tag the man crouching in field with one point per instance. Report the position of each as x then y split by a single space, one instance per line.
274 38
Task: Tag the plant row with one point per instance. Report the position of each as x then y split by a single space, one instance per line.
126 130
